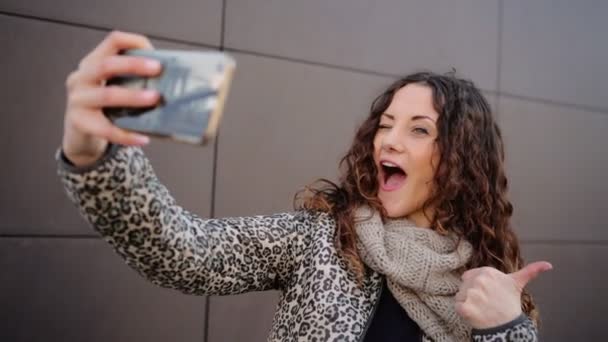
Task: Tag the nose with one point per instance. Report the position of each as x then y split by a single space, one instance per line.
392 141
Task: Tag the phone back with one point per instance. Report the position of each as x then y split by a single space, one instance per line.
193 87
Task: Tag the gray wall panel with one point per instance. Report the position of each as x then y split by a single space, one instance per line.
556 50
572 297
254 312
79 290
286 124
389 36
191 20
557 164
38 59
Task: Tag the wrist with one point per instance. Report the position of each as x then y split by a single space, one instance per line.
88 152
67 165
500 327
493 321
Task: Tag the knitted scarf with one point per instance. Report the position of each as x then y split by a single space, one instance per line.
422 269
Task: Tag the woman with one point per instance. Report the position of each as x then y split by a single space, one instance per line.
414 244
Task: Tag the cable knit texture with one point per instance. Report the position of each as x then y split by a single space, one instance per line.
422 269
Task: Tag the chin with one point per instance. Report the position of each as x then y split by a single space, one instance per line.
396 214
394 210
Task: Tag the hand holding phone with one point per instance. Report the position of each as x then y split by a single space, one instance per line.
86 130
193 86
91 105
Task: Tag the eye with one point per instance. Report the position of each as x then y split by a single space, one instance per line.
420 130
381 126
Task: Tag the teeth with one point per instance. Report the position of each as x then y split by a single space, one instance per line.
389 164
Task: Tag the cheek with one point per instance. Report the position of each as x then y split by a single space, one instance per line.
426 162
376 148
376 143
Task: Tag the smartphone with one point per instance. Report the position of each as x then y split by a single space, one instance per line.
193 86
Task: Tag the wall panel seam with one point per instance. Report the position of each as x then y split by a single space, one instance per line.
308 62
207 303
105 29
49 236
575 106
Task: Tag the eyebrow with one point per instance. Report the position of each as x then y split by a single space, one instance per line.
414 118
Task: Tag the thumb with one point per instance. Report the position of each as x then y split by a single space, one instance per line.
531 271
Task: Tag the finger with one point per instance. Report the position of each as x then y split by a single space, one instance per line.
119 65
476 297
461 309
123 137
466 310
461 296
113 96
464 288
98 125
531 271
73 79
115 42
470 294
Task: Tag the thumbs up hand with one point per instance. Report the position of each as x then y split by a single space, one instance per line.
489 298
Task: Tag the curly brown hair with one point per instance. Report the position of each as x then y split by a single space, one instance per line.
470 187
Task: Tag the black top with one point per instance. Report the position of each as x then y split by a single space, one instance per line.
391 322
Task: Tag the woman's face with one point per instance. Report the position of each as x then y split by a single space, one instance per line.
405 153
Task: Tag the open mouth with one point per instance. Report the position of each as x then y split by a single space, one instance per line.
392 176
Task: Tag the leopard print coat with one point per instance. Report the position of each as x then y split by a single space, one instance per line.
121 197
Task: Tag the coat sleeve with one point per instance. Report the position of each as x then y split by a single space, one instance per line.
123 200
520 329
